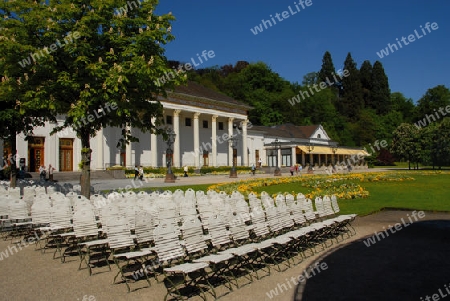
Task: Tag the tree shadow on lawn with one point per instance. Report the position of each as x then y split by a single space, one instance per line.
407 265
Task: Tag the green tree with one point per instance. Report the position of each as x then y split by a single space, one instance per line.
327 71
351 102
112 58
260 87
406 143
380 94
435 140
403 105
23 96
365 73
432 104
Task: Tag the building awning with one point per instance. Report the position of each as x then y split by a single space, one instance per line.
320 150
317 150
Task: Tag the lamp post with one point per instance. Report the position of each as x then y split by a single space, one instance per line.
277 145
170 177
334 149
310 149
233 145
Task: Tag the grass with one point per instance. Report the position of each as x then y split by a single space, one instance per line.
427 192
405 165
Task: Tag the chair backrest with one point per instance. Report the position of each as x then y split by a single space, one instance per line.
145 225
41 211
260 226
218 234
273 220
192 233
167 243
18 209
14 193
61 214
334 204
118 231
297 213
308 209
85 223
319 206
328 209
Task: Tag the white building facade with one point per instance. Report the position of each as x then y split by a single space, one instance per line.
203 121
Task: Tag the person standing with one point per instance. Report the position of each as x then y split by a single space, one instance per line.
42 173
260 163
186 169
253 169
50 172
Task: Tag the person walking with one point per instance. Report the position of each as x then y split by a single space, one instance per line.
253 169
141 173
299 169
136 172
292 169
260 163
186 169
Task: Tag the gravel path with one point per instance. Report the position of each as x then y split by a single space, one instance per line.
29 274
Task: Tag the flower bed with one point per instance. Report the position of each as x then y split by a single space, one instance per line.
344 186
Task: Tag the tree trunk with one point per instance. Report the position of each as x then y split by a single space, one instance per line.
85 180
13 175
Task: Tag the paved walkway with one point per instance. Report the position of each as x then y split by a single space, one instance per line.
31 275
111 184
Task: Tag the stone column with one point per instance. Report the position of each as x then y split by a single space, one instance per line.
100 153
214 140
154 146
176 144
294 155
196 140
230 134
244 142
128 151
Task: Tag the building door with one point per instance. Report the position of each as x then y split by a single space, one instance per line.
65 154
257 157
35 153
205 158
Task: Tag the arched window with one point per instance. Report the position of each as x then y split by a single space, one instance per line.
319 136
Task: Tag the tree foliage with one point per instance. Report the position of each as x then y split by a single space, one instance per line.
113 58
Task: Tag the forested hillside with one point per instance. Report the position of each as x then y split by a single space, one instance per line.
353 103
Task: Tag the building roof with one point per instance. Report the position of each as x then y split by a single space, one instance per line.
203 93
288 130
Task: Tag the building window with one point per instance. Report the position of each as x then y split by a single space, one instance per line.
286 157
205 124
187 121
169 119
220 125
319 136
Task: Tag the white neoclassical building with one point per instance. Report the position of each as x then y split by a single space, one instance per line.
203 121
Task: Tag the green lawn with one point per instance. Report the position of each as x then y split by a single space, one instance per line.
427 192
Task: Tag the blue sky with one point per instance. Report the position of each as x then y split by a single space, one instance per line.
295 46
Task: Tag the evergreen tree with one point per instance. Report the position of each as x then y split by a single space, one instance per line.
327 71
365 73
351 102
381 94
